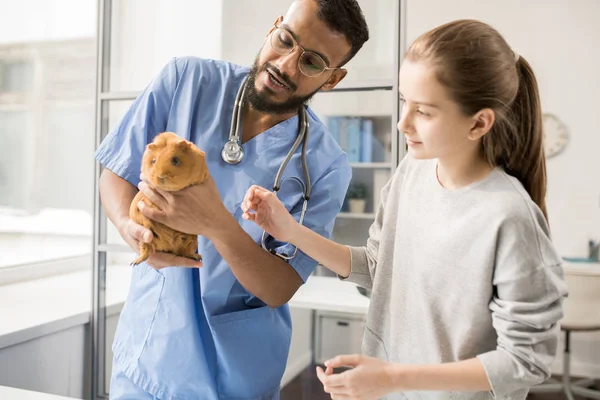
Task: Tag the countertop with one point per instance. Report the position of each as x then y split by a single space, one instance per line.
581 268
8 393
330 294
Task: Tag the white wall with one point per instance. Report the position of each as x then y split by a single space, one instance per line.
147 33
561 40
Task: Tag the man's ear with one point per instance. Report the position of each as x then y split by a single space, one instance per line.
482 123
334 79
277 22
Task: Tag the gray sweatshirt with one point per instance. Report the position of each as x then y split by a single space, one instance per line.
457 274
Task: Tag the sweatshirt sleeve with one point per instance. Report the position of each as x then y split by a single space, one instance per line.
526 306
363 259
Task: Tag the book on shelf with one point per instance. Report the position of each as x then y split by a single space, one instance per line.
358 139
367 140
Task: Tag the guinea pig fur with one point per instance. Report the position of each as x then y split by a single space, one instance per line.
169 163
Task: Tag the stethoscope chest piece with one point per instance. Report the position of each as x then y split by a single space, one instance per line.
232 152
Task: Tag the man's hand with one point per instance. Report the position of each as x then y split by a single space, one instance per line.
196 210
133 234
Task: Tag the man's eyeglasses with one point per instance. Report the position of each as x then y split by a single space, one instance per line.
310 64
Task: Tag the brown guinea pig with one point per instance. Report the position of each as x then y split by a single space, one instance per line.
169 163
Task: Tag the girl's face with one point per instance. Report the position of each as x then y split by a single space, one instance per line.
431 121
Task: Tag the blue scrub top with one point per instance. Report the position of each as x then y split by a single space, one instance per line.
198 333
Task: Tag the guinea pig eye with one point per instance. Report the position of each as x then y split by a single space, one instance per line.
175 161
154 161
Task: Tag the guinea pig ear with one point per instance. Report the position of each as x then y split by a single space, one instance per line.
151 146
203 171
183 145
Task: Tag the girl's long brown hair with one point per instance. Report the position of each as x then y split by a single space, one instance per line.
480 70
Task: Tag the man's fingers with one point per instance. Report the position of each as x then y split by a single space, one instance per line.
140 233
153 195
150 212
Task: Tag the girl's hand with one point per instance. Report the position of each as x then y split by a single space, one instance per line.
369 379
269 213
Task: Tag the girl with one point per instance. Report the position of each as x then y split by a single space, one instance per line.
467 287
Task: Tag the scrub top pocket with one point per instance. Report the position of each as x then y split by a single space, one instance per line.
144 295
252 348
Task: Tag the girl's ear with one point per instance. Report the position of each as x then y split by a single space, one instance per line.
482 123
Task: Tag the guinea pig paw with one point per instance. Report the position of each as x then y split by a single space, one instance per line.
137 261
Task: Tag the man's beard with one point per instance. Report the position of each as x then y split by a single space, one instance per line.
260 101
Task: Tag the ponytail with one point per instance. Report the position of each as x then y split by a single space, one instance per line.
516 142
529 162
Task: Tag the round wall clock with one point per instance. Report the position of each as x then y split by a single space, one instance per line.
556 136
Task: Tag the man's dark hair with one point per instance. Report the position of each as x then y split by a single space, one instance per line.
345 17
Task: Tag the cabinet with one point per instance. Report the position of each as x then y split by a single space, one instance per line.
338 333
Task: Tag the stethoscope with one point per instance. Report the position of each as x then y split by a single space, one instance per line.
233 153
